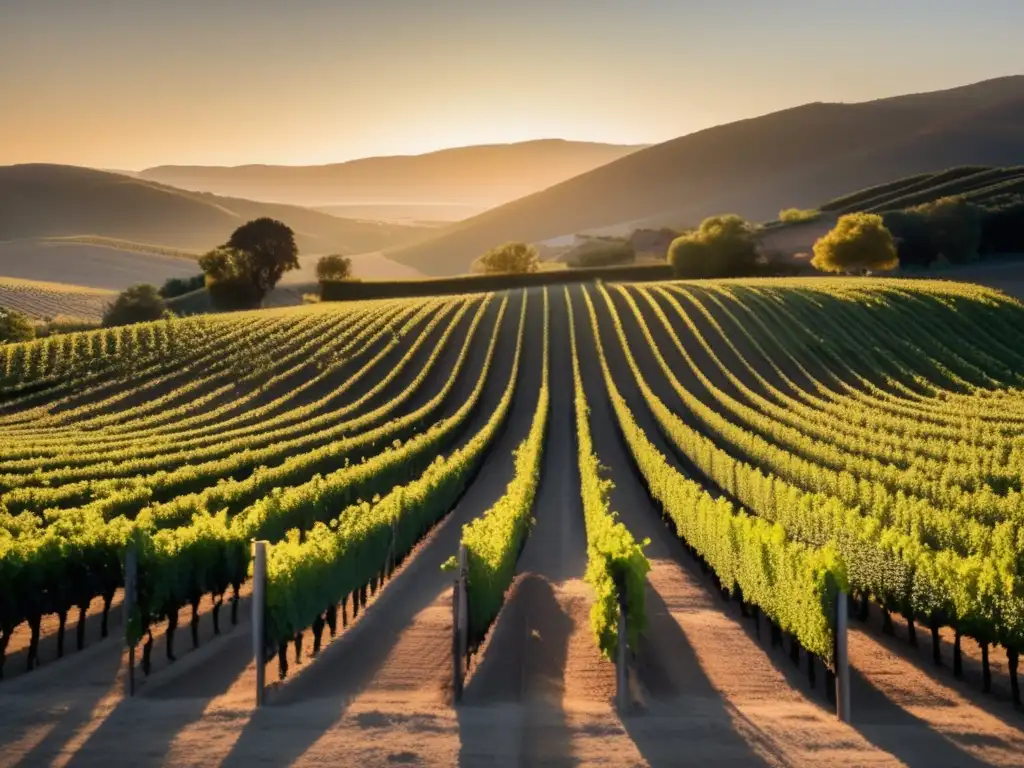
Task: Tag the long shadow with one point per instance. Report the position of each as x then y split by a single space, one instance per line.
893 729
525 665
165 711
347 667
69 708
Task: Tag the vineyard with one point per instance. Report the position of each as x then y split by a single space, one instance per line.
672 510
41 300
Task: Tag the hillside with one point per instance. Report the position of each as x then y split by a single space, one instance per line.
754 167
478 176
57 201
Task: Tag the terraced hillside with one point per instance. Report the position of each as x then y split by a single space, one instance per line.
721 458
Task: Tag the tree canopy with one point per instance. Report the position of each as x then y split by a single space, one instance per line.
334 267
510 257
15 326
859 241
240 273
723 246
137 304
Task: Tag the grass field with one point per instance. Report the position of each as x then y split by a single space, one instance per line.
769 443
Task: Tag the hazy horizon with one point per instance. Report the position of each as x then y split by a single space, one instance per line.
131 84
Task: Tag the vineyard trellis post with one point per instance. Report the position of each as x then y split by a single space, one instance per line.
842 659
259 590
460 626
131 570
621 676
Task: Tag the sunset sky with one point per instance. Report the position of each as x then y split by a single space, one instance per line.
128 84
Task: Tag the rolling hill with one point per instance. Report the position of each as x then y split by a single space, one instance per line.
479 176
59 201
753 167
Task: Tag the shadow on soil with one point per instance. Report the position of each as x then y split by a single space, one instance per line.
524 665
676 691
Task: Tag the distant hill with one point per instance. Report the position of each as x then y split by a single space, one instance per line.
796 157
477 176
60 201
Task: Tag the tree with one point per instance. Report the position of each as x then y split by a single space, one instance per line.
859 241
516 258
137 304
723 246
241 272
228 279
15 326
334 267
271 250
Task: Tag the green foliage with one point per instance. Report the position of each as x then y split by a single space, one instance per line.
15 326
798 215
616 565
333 267
723 246
137 304
510 258
178 286
304 579
859 241
494 540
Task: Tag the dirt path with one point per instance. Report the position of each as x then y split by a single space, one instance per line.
540 667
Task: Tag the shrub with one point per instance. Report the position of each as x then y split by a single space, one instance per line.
723 246
137 304
177 286
334 267
601 252
798 215
515 258
859 241
15 326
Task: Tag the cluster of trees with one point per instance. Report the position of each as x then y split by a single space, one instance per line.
953 230
177 286
859 242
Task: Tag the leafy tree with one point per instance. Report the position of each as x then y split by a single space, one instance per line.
859 241
723 246
228 279
137 304
334 267
511 257
15 326
270 249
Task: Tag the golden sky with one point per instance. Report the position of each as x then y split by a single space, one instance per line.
129 84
